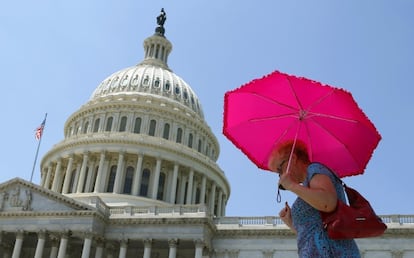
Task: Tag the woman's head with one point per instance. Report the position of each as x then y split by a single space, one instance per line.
280 156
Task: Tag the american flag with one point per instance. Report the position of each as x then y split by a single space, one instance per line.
39 130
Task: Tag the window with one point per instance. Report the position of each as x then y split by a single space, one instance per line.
190 140
137 125
157 83
85 180
111 180
167 86
94 179
96 125
85 127
123 123
166 132
128 180
109 124
153 124
161 184
176 191
197 197
199 145
72 181
144 182
179 135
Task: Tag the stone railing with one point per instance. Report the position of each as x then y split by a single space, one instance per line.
161 211
201 210
403 220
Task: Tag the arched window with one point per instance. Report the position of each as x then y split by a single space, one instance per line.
85 127
166 132
122 125
128 180
96 125
109 124
179 135
190 140
161 186
144 182
111 180
152 126
137 125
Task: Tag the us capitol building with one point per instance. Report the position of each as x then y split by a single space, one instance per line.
136 176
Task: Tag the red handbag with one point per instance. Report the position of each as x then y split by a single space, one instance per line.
356 220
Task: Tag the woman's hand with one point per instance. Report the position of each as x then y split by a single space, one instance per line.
286 216
286 181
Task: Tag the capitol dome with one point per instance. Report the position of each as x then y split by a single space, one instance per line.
151 76
140 140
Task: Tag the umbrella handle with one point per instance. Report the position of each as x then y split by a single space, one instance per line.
279 196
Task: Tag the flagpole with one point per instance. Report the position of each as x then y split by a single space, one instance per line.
38 146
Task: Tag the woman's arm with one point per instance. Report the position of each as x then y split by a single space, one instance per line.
320 194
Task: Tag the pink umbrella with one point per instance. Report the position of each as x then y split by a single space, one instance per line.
280 107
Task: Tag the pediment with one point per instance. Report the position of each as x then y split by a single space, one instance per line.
20 195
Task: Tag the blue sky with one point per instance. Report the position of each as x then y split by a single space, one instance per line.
55 53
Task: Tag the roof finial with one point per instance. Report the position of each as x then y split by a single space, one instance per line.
160 21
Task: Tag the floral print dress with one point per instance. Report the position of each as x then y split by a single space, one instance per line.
312 239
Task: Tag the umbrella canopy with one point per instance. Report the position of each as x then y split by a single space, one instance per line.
279 107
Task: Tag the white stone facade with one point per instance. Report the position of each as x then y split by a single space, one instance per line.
136 176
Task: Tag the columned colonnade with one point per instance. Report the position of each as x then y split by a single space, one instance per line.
64 245
134 174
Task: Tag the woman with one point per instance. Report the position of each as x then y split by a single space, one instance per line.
317 190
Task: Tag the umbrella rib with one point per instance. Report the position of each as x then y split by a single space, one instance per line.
312 114
274 101
336 138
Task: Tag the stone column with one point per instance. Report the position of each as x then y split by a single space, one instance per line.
220 201
41 238
190 187
156 179
54 248
48 175
181 193
76 178
203 190
223 206
57 177
199 246
212 198
68 176
136 185
63 245
81 180
18 244
172 243
123 249
119 174
174 184
147 248
87 243
90 176
99 176
99 248
42 178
